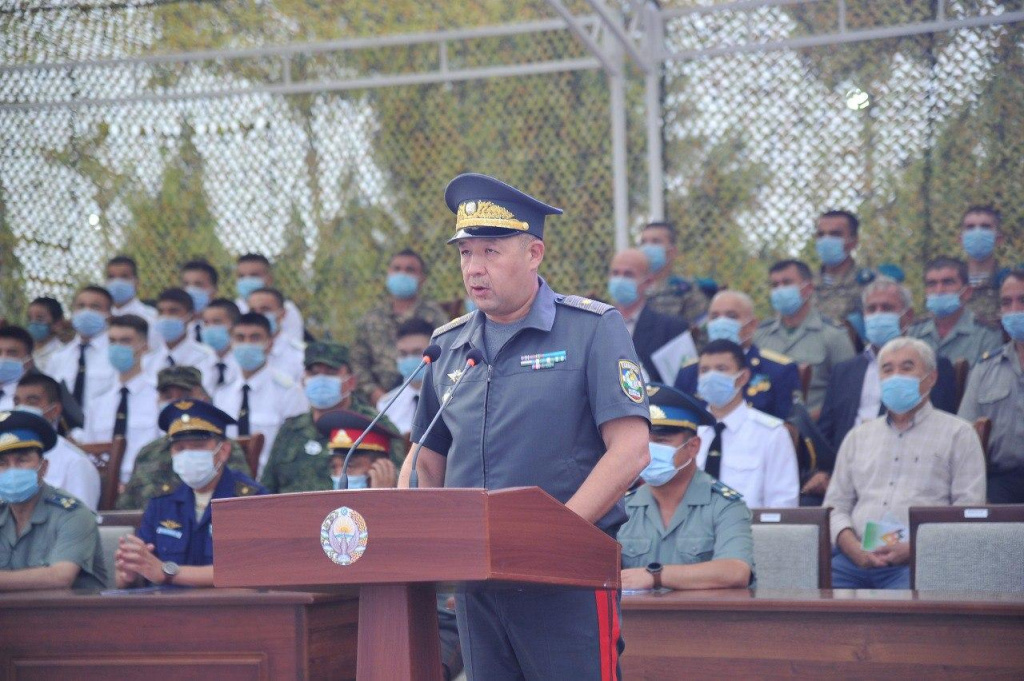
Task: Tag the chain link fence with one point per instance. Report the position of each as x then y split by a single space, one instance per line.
905 132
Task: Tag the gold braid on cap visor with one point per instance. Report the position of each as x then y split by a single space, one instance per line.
487 214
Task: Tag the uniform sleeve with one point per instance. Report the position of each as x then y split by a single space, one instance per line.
784 389
77 537
968 475
781 479
841 494
269 477
607 388
969 404
733 537
83 482
841 347
440 438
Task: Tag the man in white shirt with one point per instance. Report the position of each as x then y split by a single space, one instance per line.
216 320
286 353
123 285
82 364
746 449
255 272
413 338
45 316
200 280
69 468
129 408
262 397
15 359
175 313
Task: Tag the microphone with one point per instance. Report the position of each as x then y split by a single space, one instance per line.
474 357
429 355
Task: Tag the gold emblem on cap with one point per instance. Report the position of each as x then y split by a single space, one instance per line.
8 438
4 415
470 207
657 413
652 390
487 214
183 405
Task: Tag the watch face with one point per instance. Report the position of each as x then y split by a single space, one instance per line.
170 568
654 567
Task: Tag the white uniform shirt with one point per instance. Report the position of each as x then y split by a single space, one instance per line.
273 397
231 374
291 326
72 471
870 391
404 408
187 353
45 352
288 356
99 374
7 395
758 459
140 309
142 419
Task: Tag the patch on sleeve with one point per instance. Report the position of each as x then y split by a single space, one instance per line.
630 380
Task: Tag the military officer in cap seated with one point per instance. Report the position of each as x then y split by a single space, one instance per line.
174 544
369 466
685 530
48 539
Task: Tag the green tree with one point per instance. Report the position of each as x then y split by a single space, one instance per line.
12 280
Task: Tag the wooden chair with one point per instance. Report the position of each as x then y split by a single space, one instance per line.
107 457
960 371
792 548
806 371
983 427
252 445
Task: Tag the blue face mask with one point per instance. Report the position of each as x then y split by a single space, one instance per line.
881 327
407 366
901 393
273 323
1013 322
19 484
979 242
662 467
402 285
324 392
657 256
249 356
170 329
200 298
121 357
358 481
39 331
88 322
121 290
623 290
831 250
717 388
724 328
787 300
11 369
943 304
217 337
246 285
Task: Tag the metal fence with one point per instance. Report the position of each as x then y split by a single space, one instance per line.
323 136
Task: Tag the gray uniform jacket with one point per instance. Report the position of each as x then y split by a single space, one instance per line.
967 339
532 415
995 389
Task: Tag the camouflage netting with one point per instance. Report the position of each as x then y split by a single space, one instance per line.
329 183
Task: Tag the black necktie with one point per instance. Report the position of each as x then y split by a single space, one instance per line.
2 393
714 463
121 420
79 390
199 336
170 361
221 368
243 413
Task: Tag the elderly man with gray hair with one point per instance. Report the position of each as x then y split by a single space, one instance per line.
913 456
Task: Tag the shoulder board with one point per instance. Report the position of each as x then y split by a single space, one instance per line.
297 344
283 380
828 321
588 304
165 489
992 354
206 349
766 419
244 488
68 503
765 324
453 324
726 491
774 356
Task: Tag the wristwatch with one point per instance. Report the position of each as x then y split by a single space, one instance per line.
655 570
170 570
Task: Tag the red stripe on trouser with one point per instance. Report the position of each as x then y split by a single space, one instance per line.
608 634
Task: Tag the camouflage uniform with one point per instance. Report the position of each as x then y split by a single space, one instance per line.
300 458
373 353
153 475
838 298
984 302
679 297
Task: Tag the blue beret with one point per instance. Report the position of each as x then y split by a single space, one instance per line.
486 207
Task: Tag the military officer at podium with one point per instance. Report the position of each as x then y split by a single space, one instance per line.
174 544
560 404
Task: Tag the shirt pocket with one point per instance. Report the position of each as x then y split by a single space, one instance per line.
692 549
635 551
995 390
172 548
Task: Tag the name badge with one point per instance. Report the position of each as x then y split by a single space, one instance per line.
169 532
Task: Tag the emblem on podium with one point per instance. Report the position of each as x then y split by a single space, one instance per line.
343 535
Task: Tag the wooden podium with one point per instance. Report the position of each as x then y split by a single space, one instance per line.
413 540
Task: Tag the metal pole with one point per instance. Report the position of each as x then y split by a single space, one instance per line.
652 84
617 90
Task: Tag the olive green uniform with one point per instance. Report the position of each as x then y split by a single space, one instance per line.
679 297
838 297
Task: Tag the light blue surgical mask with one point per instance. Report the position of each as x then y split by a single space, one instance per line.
246 285
943 304
250 356
1013 322
11 369
623 290
725 328
717 388
657 256
323 391
121 290
979 242
402 285
39 331
662 467
19 484
272 319
195 467
122 357
831 250
358 481
171 329
881 327
901 393
787 300
200 297
216 336
88 322
407 366
335 481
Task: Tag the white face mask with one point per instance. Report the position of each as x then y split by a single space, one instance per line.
195 467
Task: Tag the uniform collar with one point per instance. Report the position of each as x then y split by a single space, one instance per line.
38 513
541 316
225 488
920 417
1009 352
698 493
735 419
963 325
